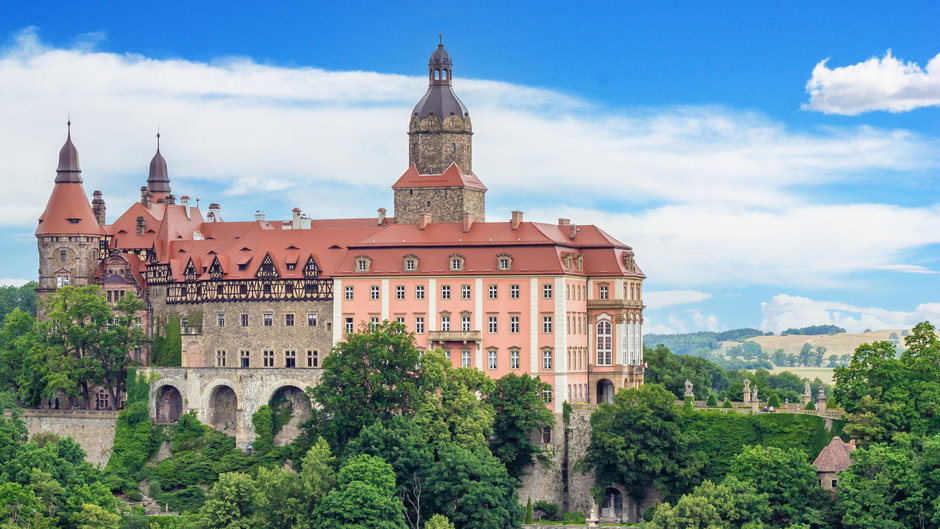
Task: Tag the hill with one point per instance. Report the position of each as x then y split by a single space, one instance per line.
835 344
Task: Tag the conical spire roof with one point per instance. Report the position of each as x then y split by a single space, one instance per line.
68 171
158 181
440 99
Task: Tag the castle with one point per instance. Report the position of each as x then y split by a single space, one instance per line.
557 300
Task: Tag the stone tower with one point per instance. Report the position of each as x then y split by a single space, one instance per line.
69 233
440 179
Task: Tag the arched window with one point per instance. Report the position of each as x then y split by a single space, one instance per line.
604 343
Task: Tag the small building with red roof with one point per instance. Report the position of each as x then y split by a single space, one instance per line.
834 458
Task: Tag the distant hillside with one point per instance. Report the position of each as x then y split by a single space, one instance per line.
835 344
814 330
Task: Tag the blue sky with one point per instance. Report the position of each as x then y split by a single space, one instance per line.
772 165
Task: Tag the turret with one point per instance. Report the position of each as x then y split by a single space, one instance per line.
158 182
69 230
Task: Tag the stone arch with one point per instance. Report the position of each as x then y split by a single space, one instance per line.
605 391
612 506
223 409
168 404
289 397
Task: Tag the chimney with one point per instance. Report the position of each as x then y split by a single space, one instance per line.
295 219
572 231
382 216
215 212
97 205
563 222
141 225
468 219
184 201
145 196
516 219
423 220
259 216
171 200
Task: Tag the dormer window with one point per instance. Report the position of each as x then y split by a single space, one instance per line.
411 263
456 262
310 269
73 221
291 266
363 263
503 262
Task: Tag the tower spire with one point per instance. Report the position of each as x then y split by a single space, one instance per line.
68 171
158 182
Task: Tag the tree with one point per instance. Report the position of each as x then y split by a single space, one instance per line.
230 503
279 500
22 298
439 522
17 339
805 353
731 504
369 377
365 498
638 441
788 480
317 474
450 409
519 410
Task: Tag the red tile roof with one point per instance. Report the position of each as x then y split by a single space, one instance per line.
452 177
68 212
835 457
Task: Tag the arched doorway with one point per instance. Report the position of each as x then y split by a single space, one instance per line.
291 407
169 405
223 410
605 391
612 508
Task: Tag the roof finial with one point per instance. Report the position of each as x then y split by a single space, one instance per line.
441 37
69 124
158 138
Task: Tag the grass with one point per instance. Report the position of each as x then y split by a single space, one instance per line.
823 373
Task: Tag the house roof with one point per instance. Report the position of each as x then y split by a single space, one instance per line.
68 212
452 177
835 457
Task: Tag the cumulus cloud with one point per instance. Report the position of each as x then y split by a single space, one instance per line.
885 83
784 311
667 298
13 282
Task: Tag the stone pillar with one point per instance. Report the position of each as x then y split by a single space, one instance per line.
821 399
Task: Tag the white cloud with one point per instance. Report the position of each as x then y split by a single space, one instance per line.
667 298
884 83
13 282
907 269
708 322
784 311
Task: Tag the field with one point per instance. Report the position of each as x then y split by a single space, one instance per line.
822 373
836 344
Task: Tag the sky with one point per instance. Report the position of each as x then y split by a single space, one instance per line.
772 165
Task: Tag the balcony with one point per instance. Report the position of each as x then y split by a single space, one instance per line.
614 304
455 336
191 331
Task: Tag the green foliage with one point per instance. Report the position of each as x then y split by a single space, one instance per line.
810 405
730 504
520 411
22 298
683 344
230 503
263 423
814 330
712 401
572 517
546 510
439 522
450 409
738 335
167 349
774 400
639 441
367 378
727 404
787 479
566 410
671 371
134 439
529 512
365 498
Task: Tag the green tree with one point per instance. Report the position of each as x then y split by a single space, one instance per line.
369 377
280 500
21 298
520 411
94 517
439 522
639 441
450 409
317 474
731 504
787 479
17 339
365 498
230 503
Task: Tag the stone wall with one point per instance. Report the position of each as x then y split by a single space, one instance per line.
434 144
93 430
80 261
444 204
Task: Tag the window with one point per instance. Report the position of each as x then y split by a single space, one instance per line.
411 264
400 320
374 292
492 327
419 292
453 146
514 324
547 291
603 291
514 359
373 322
291 266
245 357
491 358
546 434
349 293
456 263
289 320
547 395
362 264
137 354
184 321
514 291
834 483
445 323
465 323
445 291
419 325
269 359
547 359
349 325
311 319
102 401
220 319
268 319
547 324
504 263
313 359
399 291
63 255
464 291
290 358
62 281
220 358
244 320
464 358
604 343
494 291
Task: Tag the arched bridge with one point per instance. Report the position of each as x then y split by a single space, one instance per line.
226 398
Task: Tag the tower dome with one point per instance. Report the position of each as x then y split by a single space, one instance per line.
68 170
158 181
440 99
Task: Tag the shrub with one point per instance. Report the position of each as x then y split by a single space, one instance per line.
712 400
573 517
528 511
774 400
727 404
810 406
549 510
